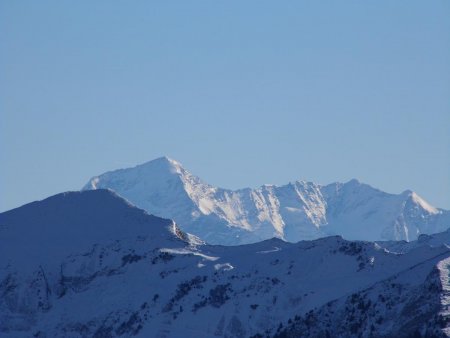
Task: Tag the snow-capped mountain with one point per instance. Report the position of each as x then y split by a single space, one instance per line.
88 264
296 211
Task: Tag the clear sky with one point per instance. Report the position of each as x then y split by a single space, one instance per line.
241 92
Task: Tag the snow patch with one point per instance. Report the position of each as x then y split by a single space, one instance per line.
275 249
184 251
224 267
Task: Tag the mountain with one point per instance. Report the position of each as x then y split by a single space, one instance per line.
433 240
89 264
296 211
72 222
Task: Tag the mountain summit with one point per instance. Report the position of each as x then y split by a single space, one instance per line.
296 211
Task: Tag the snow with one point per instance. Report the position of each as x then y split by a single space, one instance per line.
424 204
224 266
114 270
433 240
275 249
184 251
443 267
297 211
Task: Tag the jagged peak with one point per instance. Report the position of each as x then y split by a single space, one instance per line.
165 159
356 184
407 192
162 162
161 166
354 181
424 204
351 185
416 199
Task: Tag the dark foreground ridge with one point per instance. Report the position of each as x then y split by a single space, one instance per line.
89 264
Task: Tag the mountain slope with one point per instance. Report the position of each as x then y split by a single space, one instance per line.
111 270
433 240
70 222
296 211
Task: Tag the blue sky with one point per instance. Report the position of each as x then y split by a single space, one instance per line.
241 92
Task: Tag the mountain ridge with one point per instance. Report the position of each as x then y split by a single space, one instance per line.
296 211
127 273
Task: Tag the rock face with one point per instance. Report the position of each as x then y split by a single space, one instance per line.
88 264
296 211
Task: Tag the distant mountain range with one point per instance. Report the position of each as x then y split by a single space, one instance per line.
90 264
293 212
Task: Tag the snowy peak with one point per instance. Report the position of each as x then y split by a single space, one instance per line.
420 202
297 211
163 164
160 167
158 186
